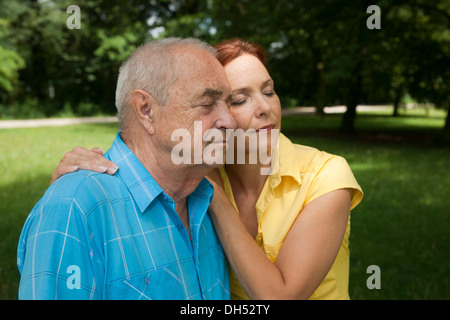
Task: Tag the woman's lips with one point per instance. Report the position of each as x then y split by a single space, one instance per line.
268 127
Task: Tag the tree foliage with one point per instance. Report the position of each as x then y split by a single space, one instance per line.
320 53
11 61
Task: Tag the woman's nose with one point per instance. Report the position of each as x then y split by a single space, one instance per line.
263 108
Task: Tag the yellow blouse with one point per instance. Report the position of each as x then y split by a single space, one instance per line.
301 175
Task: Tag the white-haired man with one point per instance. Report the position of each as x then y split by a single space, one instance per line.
144 232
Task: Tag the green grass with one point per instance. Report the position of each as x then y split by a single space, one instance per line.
402 225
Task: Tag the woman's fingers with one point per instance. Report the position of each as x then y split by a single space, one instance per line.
97 150
81 158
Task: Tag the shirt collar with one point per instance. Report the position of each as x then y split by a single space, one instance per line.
143 188
285 162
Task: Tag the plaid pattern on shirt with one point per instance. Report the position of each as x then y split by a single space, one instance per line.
96 236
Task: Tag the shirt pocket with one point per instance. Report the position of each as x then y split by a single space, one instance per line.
159 284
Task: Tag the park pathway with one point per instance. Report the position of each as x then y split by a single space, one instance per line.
58 122
54 122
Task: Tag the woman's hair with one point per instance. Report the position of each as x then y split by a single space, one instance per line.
229 50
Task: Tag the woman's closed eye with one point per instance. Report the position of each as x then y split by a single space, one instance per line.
239 99
269 93
238 102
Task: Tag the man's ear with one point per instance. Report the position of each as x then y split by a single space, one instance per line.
144 107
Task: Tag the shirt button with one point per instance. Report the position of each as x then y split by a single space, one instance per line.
147 280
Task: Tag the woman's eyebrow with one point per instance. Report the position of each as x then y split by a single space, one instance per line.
268 81
245 89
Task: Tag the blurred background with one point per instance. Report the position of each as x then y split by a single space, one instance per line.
372 88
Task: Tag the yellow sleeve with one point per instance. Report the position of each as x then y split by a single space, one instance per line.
334 174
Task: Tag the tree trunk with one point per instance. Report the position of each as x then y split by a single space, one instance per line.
398 96
348 119
446 133
318 77
320 95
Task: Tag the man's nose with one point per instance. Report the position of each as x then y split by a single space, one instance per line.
226 120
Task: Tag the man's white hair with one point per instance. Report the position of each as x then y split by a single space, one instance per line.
152 67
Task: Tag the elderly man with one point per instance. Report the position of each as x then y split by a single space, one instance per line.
143 233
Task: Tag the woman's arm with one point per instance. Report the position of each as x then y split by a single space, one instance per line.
305 257
81 158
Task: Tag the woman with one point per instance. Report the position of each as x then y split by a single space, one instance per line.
298 215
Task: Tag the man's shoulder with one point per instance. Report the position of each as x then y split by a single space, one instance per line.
85 188
73 183
73 197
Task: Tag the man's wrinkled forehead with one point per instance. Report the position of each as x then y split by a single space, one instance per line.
198 67
195 60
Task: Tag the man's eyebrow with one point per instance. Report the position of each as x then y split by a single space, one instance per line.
216 92
211 92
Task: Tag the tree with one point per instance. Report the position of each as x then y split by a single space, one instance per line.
11 62
319 54
73 66
431 47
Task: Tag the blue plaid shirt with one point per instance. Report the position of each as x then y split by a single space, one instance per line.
96 236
